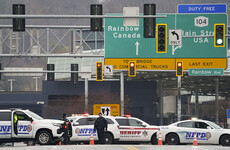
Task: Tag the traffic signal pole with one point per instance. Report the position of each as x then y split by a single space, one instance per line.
86 95
122 92
217 101
179 99
160 100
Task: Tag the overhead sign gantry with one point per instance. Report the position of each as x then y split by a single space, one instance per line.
127 43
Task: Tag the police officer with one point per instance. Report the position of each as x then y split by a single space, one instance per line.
67 127
101 126
15 123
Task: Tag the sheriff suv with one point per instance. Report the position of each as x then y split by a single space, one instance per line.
83 126
17 125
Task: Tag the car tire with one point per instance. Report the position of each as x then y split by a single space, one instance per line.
172 139
225 140
108 138
44 137
154 140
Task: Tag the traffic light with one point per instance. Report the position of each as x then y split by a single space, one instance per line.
179 69
219 35
19 23
74 76
99 71
132 69
50 76
149 23
161 40
96 23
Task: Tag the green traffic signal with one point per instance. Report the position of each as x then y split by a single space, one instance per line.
219 35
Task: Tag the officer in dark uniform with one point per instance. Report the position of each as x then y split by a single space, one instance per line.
67 129
101 126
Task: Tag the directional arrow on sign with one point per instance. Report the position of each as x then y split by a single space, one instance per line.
137 46
174 49
107 67
108 70
174 33
107 110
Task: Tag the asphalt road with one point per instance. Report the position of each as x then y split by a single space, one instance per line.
114 147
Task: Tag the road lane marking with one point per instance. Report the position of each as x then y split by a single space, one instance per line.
131 147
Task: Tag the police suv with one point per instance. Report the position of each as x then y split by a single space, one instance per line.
184 131
83 126
134 130
17 125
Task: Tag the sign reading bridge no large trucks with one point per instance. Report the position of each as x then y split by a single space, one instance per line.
121 43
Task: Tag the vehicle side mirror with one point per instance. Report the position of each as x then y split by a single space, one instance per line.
208 127
31 119
76 124
144 125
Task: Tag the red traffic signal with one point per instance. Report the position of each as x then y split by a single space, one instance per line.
99 71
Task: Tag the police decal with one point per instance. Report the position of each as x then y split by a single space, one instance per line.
208 135
199 135
29 128
130 133
5 129
85 132
145 133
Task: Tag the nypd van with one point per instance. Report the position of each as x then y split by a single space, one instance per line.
83 126
206 132
17 125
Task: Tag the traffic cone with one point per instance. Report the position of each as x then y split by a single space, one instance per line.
59 143
91 139
160 139
195 140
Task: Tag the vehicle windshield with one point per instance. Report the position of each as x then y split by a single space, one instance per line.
35 116
214 125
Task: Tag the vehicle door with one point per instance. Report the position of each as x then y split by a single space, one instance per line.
22 125
204 132
5 125
131 130
185 131
82 129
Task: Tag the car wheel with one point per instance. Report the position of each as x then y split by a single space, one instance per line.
154 140
225 140
108 138
44 138
172 139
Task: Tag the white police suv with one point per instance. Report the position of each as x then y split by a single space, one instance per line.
134 130
83 125
17 125
206 132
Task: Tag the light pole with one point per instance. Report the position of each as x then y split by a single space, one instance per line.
11 84
36 84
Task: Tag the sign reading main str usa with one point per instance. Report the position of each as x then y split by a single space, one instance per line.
128 43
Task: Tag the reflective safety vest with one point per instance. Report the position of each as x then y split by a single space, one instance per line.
15 118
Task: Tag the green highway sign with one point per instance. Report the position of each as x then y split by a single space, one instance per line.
129 42
206 72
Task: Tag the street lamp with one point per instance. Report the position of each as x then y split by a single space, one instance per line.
11 84
36 82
